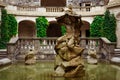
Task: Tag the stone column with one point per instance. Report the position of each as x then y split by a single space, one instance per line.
118 33
118 29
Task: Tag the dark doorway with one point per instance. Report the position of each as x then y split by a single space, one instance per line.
54 29
85 29
26 29
87 33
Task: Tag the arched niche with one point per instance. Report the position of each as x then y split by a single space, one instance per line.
26 29
85 29
118 16
54 29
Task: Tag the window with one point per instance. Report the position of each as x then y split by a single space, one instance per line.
87 5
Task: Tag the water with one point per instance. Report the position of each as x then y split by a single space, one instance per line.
44 71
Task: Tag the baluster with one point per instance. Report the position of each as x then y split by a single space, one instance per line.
53 43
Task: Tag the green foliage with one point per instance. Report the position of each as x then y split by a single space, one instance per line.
95 27
63 30
104 26
8 28
2 44
41 24
4 26
109 26
12 25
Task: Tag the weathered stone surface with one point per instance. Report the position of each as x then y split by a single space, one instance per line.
58 60
68 60
115 59
91 60
30 58
59 71
77 72
92 53
74 62
5 61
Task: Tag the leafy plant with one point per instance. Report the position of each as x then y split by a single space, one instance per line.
104 26
8 28
4 26
63 30
109 26
12 25
95 27
41 25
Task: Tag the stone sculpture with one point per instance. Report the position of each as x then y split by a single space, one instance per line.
92 53
68 62
30 57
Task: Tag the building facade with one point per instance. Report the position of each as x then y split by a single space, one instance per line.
26 11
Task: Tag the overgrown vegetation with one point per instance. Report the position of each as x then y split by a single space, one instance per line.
12 25
109 26
8 28
41 26
104 26
63 30
95 28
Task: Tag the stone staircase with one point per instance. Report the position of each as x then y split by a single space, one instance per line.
3 53
116 56
117 53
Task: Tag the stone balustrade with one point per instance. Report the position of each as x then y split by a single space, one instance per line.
57 11
26 8
54 9
44 47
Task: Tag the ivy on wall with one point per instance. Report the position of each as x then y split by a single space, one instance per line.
41 26
8 28
12 25
4 29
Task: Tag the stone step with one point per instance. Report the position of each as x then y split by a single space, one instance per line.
116 53
3 53
117 50
115 60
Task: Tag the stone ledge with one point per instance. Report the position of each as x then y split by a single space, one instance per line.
115 60
5 61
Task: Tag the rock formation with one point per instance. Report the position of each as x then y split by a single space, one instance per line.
68 62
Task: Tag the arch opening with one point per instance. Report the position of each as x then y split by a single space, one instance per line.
54 29
85 29
26 29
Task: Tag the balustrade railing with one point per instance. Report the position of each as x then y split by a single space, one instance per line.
24 8
44 47
54 9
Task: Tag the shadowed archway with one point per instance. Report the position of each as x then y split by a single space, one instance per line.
85 29
26 29
54 29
